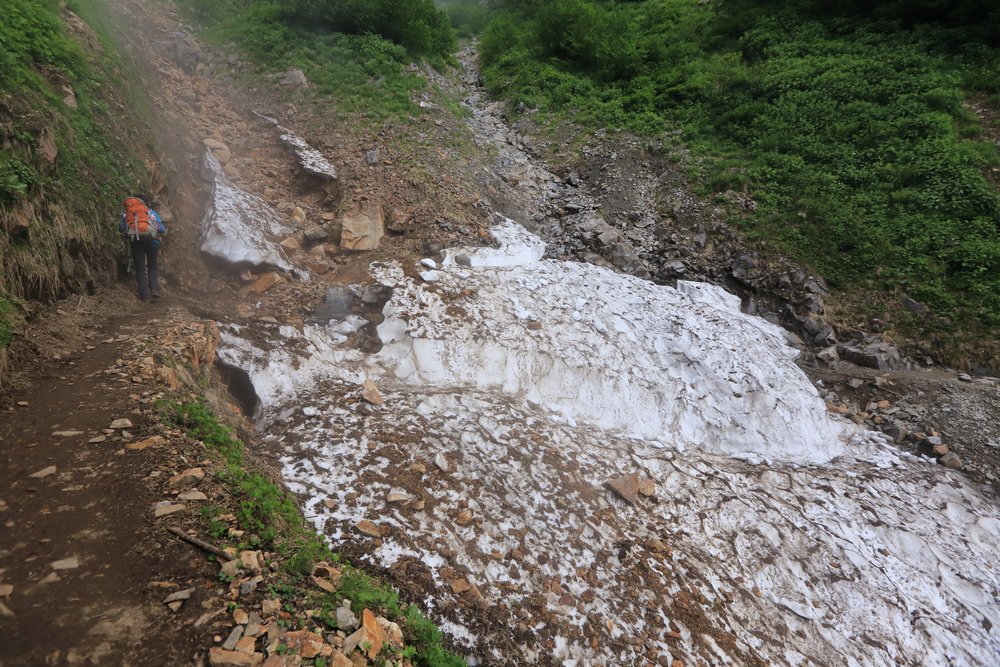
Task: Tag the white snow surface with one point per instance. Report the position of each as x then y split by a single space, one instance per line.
637 358
238 226
875 558
515 246
312 161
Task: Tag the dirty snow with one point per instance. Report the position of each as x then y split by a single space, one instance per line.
516 246
238 226
772 536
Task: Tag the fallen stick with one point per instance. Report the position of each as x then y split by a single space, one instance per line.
201 544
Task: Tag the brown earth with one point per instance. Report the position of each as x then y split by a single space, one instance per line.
73 490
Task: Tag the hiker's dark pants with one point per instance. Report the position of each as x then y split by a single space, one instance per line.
144 254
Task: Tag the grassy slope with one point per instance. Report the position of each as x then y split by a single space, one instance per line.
57 230
852 134
363 76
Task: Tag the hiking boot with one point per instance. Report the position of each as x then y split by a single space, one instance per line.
157 294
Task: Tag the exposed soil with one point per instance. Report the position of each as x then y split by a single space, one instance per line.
94 507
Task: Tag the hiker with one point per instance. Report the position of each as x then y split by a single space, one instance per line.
144 229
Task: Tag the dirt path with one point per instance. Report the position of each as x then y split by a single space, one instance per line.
88 563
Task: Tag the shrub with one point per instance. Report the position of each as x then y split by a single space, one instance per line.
846 122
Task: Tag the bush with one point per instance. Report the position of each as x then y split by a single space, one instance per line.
847 125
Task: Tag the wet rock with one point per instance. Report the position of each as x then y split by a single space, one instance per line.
336 306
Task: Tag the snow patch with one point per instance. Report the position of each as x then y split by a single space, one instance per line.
613 351
517 246
237 225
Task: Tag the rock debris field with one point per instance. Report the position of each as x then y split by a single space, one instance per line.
575 466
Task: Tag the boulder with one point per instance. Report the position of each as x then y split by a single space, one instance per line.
363 227
295 79
880 356
219 150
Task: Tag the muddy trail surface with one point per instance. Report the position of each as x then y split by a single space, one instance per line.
498 383
86 561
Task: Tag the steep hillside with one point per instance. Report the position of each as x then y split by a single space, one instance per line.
853 136
72 140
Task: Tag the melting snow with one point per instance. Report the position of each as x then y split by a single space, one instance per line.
237 225
553 378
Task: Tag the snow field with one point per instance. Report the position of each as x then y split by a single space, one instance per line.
537 382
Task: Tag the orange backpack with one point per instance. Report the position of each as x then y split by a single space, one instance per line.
138 221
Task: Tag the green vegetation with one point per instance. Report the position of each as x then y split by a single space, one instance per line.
468 17
67 150
848 122
355 52
6 335
271 520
